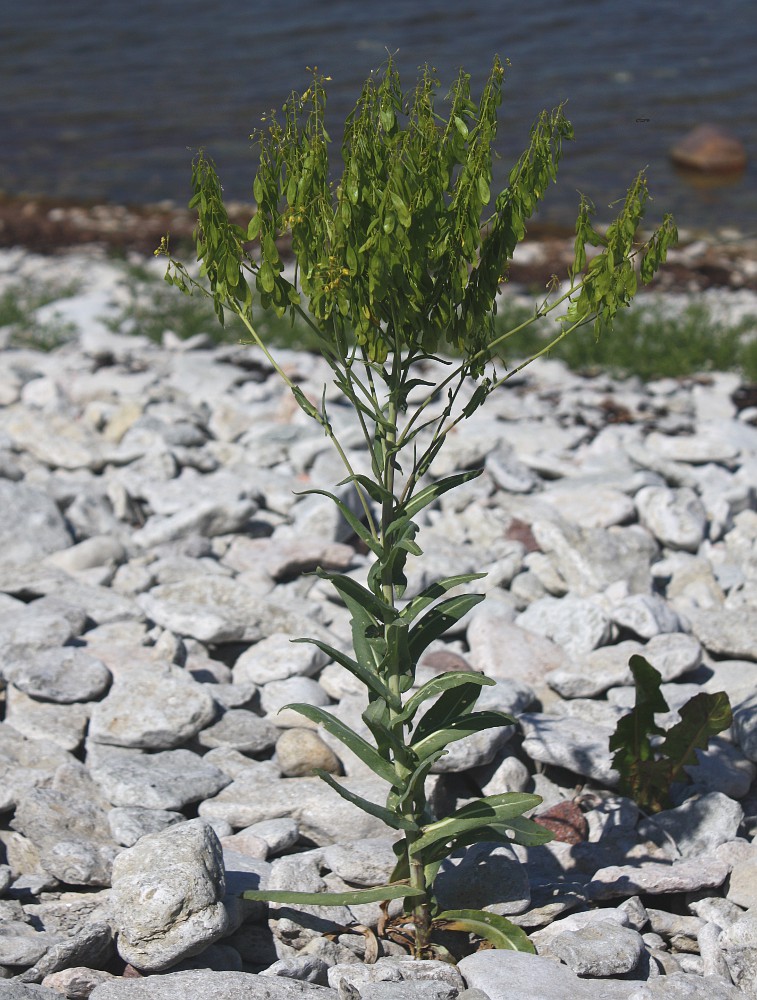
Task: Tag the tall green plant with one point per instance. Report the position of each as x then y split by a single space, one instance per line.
398 260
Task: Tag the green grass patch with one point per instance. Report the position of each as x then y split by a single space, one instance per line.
152 307
646 341
18 315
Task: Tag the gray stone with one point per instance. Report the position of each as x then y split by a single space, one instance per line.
152 710
167 896
688 875
503 651
306 968
513 975
21 944
745 725
738 944
92 947
322 815
574 623
277 834
722 768
508 472
26 764
699 825
240 730
275 658
683 986
568 742
168 780
366 862
590 560
215 609
293 690
600 949
128 825
677 517
211 986
725 632
483 876
742 884
646 615
39 720
31 526
63 675
68 825
208 518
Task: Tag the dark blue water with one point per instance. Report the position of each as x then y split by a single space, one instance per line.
105 99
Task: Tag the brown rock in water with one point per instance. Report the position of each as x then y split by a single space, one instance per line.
710 149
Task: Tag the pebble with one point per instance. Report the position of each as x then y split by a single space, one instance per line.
156 564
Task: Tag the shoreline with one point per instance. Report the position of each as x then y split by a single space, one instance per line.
724 259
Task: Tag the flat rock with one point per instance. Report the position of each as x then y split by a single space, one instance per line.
697 826
505 651
169 779
574 623
209 985
568 742
513 975
688 875
63 675
31 526
216 609
725 632
68 825
152 710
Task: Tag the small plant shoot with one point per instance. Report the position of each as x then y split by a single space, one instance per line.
398 264
650 759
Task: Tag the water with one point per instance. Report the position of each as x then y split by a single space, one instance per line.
105 101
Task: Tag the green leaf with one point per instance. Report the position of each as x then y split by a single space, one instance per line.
434 592
449 680
351 739
391 819
363 673
358 594
489 811
437 489
476 722
376 895
499 930
439 620
354 522
702 716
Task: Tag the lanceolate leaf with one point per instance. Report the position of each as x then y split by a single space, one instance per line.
476 722
449 707
434 592
499 930
371 680
380 812
437 489
439 619
437 685
354 522
496 833
490 811
375 895
351 739
349 588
